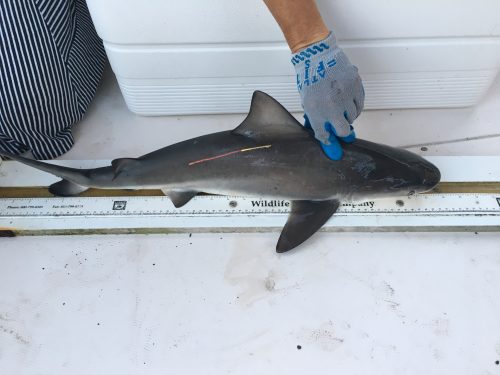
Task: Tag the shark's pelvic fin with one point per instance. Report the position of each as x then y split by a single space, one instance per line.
65 188
269 120
119 165
306 218
179 197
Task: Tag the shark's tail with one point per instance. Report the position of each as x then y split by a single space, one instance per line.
74 181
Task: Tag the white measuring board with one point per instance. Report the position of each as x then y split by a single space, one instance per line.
427 212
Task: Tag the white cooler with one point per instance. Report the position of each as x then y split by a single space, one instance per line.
208 56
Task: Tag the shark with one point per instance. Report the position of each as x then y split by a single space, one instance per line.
269 155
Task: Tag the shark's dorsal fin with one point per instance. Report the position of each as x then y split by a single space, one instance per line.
268 119
121 164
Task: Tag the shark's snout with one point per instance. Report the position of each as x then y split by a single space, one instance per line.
429 176
417 176
432 176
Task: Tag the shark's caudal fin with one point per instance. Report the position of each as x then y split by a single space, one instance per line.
306 218
73 179
269 120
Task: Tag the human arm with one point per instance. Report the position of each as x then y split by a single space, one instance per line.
300 21
330 87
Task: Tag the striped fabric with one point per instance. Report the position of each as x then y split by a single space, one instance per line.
51 61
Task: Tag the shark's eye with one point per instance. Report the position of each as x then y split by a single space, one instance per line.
412 192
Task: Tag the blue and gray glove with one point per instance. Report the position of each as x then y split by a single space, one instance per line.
331 92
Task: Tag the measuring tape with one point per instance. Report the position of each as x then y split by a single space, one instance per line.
427 212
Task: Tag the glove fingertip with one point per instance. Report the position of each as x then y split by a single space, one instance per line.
351 137
330 128
333 150
307 123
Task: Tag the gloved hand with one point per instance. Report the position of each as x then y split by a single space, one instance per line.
331 92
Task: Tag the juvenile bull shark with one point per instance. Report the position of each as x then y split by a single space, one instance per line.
270 154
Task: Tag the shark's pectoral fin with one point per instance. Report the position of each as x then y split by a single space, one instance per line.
306 218
65 188
179 197
119 165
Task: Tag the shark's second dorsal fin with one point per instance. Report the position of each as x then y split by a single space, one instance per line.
119 165
268 119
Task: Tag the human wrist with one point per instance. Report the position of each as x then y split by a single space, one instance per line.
315 51
299 40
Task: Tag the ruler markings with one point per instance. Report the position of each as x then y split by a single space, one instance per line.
221 205
460 211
